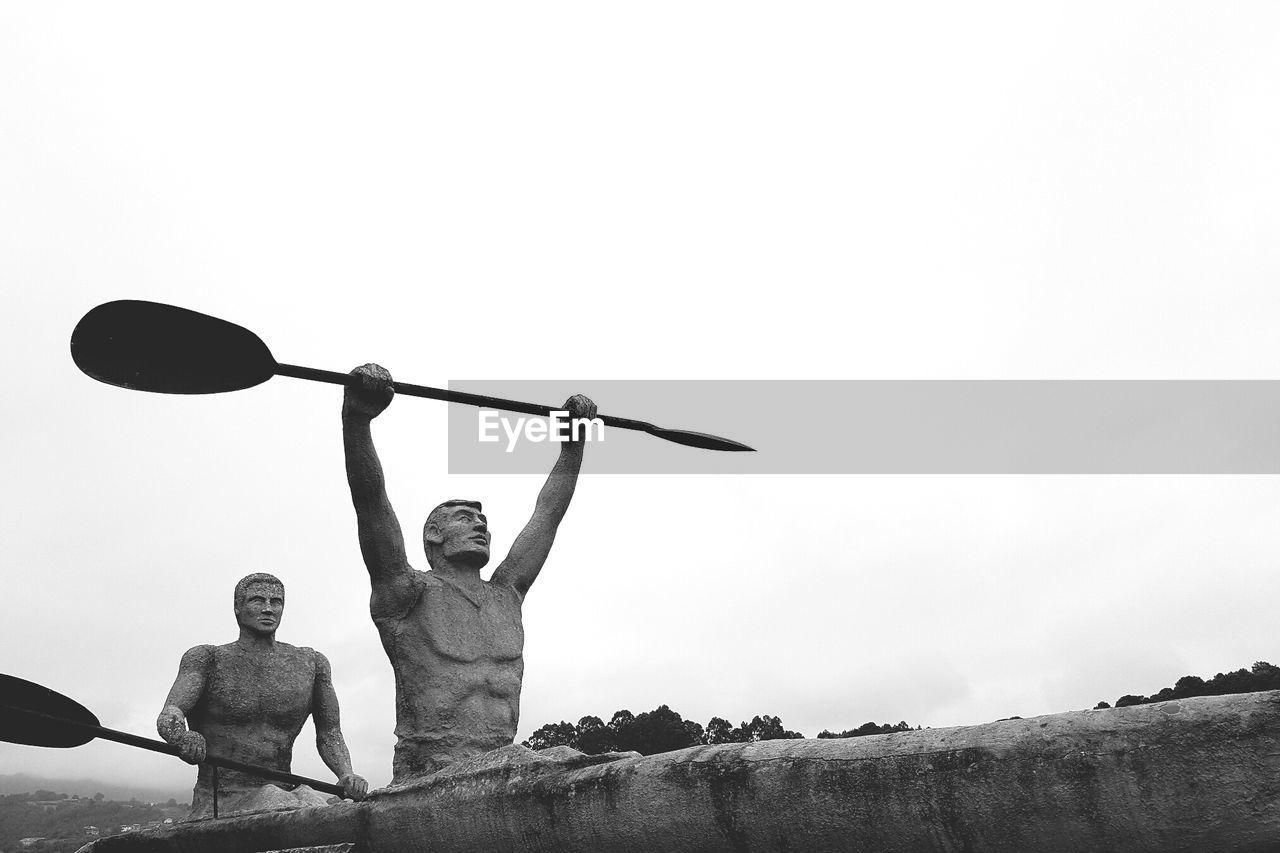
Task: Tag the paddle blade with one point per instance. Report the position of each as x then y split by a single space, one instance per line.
699 439
18 696
149 346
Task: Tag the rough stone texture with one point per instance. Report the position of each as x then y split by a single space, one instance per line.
1194 775
247 701
273 798
455 640
322 827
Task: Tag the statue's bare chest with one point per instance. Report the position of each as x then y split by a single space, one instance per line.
469 625
274 688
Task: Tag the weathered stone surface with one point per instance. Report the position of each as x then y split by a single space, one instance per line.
1194 775
247 701
273 798
455 640
314 827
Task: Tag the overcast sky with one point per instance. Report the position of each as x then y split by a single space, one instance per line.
654 191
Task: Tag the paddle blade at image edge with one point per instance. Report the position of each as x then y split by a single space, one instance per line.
150 346
18 695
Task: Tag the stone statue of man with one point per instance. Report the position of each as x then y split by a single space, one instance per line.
455 640
247 701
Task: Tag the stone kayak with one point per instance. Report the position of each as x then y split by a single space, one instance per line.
1196 775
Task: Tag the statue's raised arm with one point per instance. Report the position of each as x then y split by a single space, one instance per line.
455 641
381 540
529 552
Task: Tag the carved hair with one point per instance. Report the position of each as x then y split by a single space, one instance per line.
242 586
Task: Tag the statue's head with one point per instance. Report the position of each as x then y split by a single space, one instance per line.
259 603
457 531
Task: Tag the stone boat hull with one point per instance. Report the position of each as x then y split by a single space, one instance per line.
1192 775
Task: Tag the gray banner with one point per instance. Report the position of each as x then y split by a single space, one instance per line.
894 427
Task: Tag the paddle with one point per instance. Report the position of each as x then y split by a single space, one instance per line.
35 715
150 346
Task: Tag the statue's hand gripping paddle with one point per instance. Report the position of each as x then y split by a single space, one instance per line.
37 716
150 346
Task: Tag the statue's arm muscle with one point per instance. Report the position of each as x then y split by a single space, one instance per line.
187 689
324 707
381 540
528 553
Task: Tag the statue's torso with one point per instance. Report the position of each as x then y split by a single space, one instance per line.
458 660
255 703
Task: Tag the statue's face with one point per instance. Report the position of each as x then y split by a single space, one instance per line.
261 608
464 537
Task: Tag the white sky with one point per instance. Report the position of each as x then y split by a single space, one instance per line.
663 191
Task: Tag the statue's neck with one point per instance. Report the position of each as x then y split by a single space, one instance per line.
465 575
465 580
458 571
250 641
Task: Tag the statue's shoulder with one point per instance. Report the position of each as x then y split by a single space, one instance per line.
310 655
505 593
299 654
393 602
419 580
502 587
200 655
223 649
197 658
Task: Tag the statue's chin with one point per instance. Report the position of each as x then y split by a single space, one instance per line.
476 559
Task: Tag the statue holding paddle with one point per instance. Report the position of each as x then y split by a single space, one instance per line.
247 701
455 641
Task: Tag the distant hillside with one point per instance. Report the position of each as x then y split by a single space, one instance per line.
22 783
64 824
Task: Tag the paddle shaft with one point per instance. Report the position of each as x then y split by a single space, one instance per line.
330 376
170 749
149 346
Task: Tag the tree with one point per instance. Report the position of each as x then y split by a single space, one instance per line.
97 798
553 734
719 730
621 719
766 728
1240 681
1187 686
659 730
594 737
1262 676
1265 676
761 727
870 728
